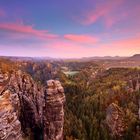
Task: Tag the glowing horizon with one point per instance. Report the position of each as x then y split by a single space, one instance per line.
69 29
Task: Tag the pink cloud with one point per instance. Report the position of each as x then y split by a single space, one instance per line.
26 30
66 49
81 38
129 43
102 11
122 47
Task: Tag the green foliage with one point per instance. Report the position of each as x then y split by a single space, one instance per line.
88 104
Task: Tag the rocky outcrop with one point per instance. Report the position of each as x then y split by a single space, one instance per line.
134 84
10 126
30 97
115 120
23 88
53 115
24 101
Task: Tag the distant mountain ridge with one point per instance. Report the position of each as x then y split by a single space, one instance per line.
104 58
135 57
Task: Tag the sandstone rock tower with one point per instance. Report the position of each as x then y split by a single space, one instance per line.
53 111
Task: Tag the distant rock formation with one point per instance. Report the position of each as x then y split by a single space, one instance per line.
134 84
115 120
53 111
135 57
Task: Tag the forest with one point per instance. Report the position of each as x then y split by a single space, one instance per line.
91 96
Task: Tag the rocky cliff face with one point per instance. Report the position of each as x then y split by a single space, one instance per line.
115 120
10 126
25 101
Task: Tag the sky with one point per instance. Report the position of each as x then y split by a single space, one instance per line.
69 28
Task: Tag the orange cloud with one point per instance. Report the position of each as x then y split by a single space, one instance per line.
81 38
26 30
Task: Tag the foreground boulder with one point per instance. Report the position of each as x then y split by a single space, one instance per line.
115 120
53 115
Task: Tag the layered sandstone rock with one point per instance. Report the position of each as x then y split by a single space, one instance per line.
22 103
30 97
53 111
10 126
115 120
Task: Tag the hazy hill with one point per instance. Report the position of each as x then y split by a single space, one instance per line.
135 57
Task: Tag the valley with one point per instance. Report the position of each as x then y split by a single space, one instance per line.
102 97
